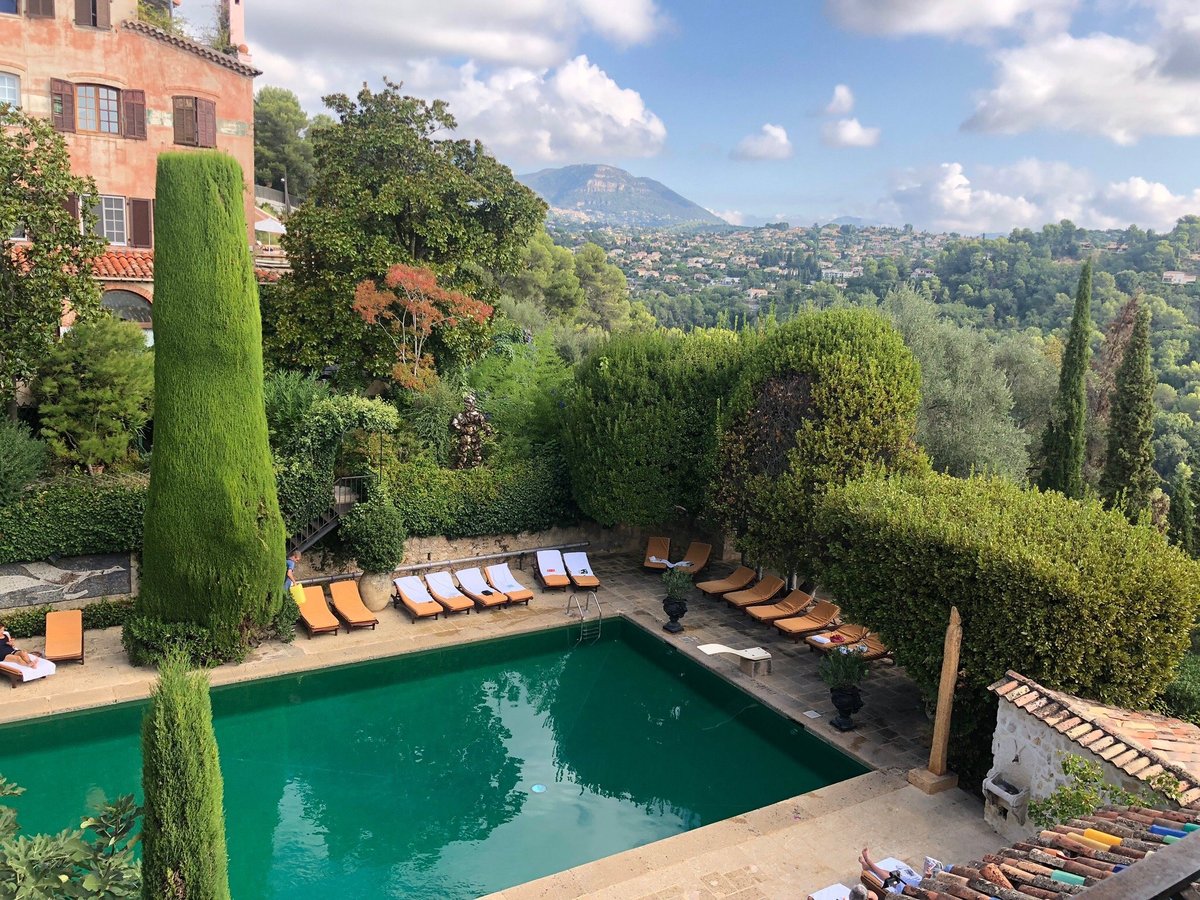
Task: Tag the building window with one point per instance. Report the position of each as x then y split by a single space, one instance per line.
130 307
97 108
8 6
39 9
195 121
110 219
92 13
10 86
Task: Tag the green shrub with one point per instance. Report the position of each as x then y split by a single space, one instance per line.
213 547
1181 699
827 397
527 495
639 430
284 623
22 459
183 833
95 392
373 533
1063 591
149 642
72 516
30 621
1084 792
842 669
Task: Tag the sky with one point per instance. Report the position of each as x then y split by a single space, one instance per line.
958 115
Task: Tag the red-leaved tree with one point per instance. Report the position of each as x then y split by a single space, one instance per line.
407 308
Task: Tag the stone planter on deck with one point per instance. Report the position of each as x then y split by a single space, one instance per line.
375 588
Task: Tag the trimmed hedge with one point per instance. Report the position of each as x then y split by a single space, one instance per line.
73 516
1181 699
30 621
531 495
1065 592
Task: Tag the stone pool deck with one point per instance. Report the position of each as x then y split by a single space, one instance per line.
773 857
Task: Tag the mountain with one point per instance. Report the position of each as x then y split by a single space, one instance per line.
606 195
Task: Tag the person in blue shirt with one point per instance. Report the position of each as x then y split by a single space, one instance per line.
288 579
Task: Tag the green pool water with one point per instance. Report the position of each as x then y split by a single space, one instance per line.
450 773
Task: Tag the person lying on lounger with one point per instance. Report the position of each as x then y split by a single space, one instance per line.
895 881
9 653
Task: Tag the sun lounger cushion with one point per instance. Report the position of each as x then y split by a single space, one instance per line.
473 583
842 637
551 568
791 605
349 606
658 551
735 581
40 669
820 616
315 612
580 570
696 557
441 586
760 593
502 579
415 597
64 635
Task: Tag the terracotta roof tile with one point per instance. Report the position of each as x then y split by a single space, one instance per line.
123 264
221 59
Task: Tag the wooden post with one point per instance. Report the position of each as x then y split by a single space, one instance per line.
936 778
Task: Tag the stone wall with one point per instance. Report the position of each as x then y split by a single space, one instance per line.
1028 753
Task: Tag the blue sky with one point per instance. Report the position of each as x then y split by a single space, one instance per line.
970 115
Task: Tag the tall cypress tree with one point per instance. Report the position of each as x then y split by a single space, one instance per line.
183 832
1064 442
1182 515
1129 478
213 550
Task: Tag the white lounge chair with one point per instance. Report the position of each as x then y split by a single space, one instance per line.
411 593
579 569
474 586
441 586
503 580
551 571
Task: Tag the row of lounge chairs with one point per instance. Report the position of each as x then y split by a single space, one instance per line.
797 615
64 643
438 594
562 570
348 609
658 555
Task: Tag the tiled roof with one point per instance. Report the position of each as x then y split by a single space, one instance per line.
1062 861
221 59
1141 744
117 264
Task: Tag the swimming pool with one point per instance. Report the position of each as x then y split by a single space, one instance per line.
451 773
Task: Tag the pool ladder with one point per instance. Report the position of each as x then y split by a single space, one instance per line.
589 626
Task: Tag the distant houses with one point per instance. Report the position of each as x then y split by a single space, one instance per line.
1174 277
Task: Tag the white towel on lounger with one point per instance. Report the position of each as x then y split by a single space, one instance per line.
40 669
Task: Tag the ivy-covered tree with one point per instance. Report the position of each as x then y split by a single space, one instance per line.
390 187
1182 514
40 198
213 549
827 397
1129 479
94 392
1064 442
183 832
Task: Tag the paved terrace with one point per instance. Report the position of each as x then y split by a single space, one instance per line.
785 850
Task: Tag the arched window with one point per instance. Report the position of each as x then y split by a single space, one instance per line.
130 307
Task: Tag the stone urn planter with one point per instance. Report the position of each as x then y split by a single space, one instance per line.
375 588
842 670
678 582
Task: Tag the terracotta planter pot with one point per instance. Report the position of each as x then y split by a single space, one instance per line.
375 588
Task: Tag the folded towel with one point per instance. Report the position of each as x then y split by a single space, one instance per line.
820 639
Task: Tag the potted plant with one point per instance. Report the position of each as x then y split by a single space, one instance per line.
843 670
678 581
373 535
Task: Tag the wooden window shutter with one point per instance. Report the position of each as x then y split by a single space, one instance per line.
71 205
206 123
83 12
184 117
39 9
133 114
62 105
103 14
141 222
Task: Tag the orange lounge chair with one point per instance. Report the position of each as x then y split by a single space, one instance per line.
505 582
64 636
411 594
441 586
841 637
349 606
476 587
820 617
658 551
793 604
579 570
760 593
550 570
696 557
871 648
315 614
734 581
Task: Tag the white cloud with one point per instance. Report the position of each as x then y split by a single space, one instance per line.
771 142
842 102
1100 84
624 21
732 216
849 133
1029 194
949 18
